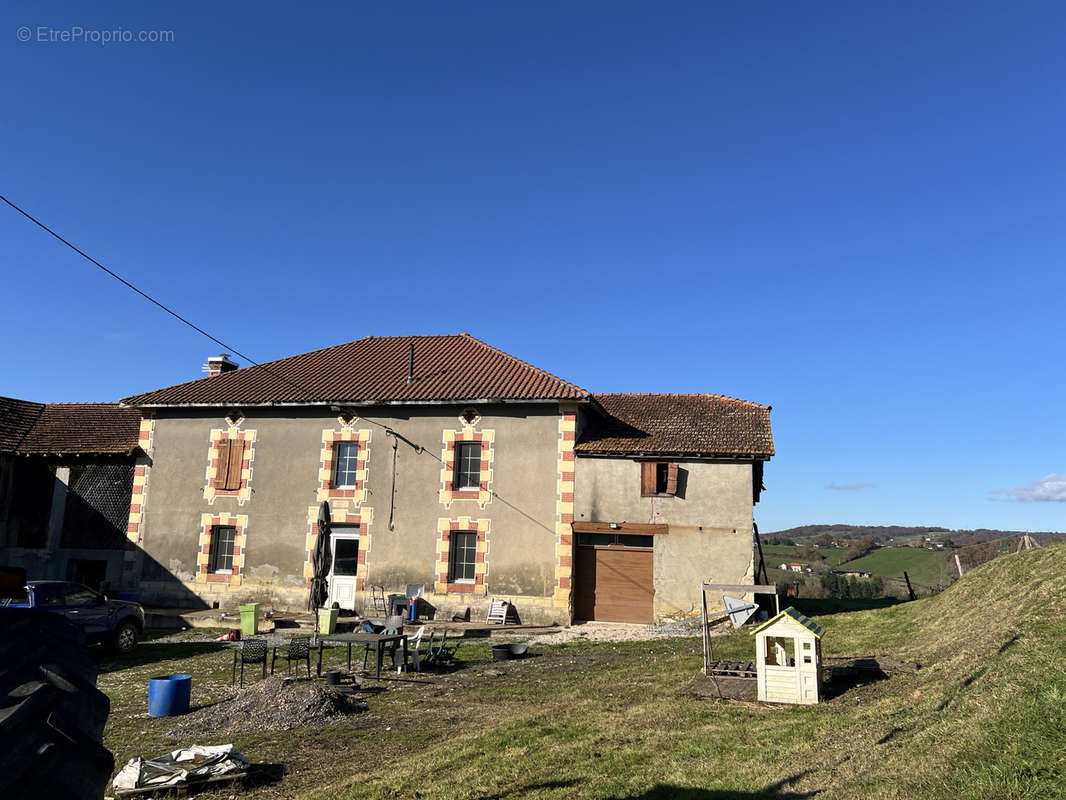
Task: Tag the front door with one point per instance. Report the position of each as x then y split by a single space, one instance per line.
345 549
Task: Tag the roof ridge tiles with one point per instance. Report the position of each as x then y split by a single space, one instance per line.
714 395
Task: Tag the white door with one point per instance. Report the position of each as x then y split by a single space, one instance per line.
345 549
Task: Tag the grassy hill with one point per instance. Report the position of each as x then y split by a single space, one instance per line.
926 567
983 718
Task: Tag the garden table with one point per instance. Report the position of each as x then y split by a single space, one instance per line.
362 637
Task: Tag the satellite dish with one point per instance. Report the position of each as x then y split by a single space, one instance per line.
740 611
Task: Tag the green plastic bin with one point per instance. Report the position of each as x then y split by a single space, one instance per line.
249 619
327 621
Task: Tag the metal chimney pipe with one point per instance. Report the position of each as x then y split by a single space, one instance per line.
411 364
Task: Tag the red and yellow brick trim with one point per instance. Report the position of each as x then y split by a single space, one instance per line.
327 464
445 528
235 433
135 521
340 516
203 549
448 493
564 505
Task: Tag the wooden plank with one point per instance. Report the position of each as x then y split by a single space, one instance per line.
741 588
643 529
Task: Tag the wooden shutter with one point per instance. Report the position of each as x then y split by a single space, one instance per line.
671 479
221 465
647 478
236 462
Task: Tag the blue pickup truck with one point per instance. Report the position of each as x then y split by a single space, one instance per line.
118 623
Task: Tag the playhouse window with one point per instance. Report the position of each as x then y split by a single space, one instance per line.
806 652
780 651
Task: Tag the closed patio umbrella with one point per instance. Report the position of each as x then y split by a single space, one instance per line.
320 564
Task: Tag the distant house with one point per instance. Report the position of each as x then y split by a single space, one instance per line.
853 573
795 566
66 483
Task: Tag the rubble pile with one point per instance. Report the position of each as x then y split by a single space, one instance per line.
272 704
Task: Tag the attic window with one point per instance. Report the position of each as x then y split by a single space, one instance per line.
658 478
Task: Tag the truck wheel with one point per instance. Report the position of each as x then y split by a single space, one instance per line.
51 713
125 637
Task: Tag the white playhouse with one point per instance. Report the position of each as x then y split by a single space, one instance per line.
788 659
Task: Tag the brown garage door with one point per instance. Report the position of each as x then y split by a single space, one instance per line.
613 584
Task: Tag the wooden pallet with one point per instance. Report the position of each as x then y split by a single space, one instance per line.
182 790
732 669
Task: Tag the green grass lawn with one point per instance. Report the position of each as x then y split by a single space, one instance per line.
926 567
984 716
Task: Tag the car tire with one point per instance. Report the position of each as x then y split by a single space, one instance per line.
52 715
125 638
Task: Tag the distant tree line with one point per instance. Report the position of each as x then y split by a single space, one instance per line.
882 533
847 587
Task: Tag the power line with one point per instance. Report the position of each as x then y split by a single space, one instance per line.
129 285
192 325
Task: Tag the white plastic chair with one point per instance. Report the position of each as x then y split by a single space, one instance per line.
413 644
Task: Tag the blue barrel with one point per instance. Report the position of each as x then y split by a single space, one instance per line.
168 695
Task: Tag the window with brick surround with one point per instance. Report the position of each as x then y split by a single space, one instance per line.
230 462
347 458
461 556
467 465
222 537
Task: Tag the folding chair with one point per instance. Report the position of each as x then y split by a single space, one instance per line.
296 650
443 653
251 651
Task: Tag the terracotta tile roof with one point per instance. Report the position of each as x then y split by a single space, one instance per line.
689 424
374 370
16 420
67 428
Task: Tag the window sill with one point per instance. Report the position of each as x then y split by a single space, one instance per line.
461 587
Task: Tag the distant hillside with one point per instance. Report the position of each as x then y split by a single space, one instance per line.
882 533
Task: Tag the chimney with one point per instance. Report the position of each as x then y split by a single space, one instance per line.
216 365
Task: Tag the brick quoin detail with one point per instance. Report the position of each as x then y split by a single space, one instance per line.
483 494
361 517
327 463
135 520
218 435
564 504
203 548
445 528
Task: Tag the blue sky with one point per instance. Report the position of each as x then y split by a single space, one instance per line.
851 212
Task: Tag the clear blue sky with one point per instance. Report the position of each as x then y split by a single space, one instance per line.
853 212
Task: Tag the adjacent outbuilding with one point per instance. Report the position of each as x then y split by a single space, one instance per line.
788 659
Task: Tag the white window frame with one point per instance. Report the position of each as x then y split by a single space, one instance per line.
351 461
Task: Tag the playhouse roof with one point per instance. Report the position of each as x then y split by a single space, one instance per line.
803 620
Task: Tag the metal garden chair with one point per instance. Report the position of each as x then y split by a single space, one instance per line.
295 650
251 651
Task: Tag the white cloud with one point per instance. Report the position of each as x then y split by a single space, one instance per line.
1049 489
849 487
